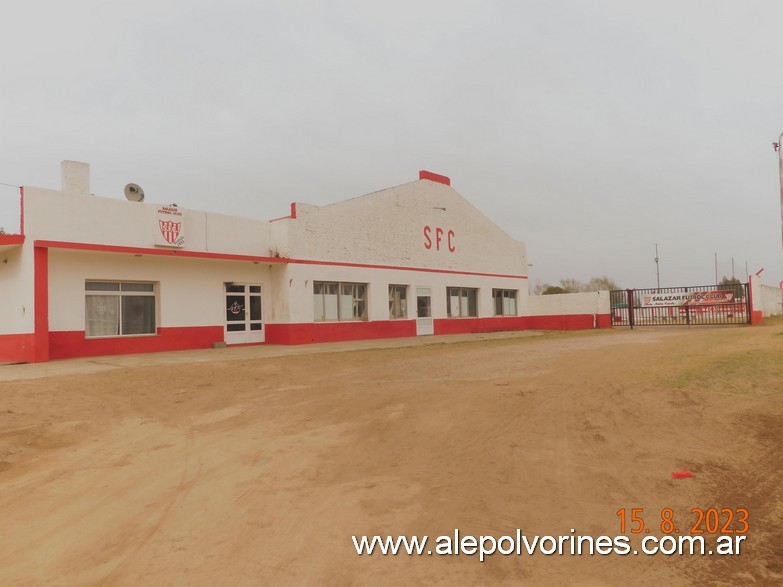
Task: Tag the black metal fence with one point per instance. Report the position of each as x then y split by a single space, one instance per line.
681 306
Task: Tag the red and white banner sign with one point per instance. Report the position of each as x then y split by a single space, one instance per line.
690 298
169 227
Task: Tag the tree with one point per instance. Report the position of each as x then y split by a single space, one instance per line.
601 284
553 289
732 284
571 285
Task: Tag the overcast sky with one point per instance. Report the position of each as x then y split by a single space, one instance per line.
591 129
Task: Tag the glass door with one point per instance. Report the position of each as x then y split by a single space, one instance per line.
424 322
244 323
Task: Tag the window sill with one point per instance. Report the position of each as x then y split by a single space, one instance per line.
121 336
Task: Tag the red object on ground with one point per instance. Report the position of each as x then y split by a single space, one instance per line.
681 474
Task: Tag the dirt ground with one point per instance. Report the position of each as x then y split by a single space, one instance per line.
259 471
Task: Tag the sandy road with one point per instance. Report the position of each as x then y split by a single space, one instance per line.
257 471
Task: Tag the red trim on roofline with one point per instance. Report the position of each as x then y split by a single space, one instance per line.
402 268
160 252
232 257
11 239
292 215
436 177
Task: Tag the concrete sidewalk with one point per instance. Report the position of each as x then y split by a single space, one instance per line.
99 364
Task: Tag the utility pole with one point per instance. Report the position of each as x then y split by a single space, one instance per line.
716 268
780 167
747 275
732 269
657 272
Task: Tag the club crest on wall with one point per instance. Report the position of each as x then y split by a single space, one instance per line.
170 227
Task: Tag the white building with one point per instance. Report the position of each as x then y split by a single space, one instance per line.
97 276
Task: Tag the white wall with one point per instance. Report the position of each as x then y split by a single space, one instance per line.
383 228
59 216
301 279
571 303
190 291
17 315
387 228
770 300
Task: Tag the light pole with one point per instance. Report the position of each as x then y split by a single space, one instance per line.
780 170
716 268
657 272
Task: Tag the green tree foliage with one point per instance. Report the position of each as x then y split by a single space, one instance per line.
553 289
732 284
571 285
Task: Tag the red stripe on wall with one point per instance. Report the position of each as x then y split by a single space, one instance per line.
41 303
11 239
70 344
569 322
232 257
510 323
64 345
402 268
160 252
17 348
468 325
306 333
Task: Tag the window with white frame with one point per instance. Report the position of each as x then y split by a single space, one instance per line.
462 302
505 302
119 308
398 302
334 300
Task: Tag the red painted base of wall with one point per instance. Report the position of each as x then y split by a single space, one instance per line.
66 345
499 324
17 348
20 348
756 317
337 331
569 322
468 325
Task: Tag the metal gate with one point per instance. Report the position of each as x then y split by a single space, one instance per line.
681 306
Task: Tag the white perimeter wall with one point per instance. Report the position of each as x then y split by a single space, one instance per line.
770 300
190 291
572 303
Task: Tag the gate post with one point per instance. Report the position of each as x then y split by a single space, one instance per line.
630 307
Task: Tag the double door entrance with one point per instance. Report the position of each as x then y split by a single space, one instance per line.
244 323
